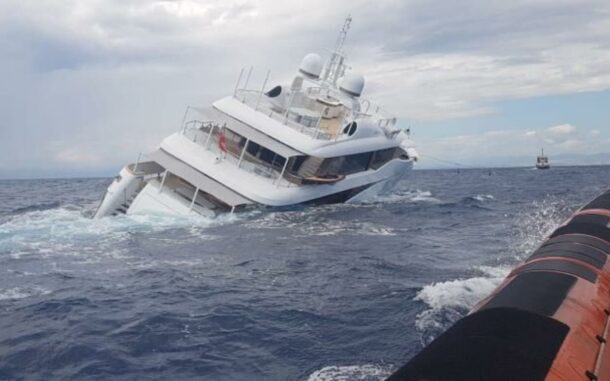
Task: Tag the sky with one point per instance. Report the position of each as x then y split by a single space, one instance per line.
86 85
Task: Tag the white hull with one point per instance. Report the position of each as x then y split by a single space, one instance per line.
145 194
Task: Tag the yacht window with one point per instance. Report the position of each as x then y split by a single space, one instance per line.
253 148
276 91
305 166
234 141
278 161
266 155
297 162
381 157
346 165
356 163
352 129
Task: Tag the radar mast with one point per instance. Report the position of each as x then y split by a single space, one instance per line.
336 67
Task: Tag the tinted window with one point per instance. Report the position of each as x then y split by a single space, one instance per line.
277 90
352 129
382 157
252 148
355 163
266 155
297 162
346 165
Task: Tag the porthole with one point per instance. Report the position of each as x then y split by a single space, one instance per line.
350 128
276 91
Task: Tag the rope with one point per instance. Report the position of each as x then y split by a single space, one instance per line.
454 163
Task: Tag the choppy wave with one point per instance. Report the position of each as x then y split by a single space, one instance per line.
536 222
366 372
447 301
68 230
280 294
22 292
36 207
314 222
397 196
481 197
450 300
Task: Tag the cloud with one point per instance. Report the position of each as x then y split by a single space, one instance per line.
111 78
564 134
562 129
475 149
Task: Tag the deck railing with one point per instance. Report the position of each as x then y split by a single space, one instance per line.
207 134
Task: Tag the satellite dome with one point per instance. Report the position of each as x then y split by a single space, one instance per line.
311 65
353 84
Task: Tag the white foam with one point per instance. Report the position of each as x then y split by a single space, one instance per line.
21 293
398 196
449 300
67 231
310 223
483 197
365 372
536 222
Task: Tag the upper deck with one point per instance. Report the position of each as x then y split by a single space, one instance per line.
319 112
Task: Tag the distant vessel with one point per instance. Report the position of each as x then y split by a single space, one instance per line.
313 140
542 162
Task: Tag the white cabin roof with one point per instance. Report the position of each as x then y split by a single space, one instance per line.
294 141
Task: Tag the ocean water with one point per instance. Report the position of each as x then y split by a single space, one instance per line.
337 292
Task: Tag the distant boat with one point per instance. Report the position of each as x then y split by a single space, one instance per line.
542 162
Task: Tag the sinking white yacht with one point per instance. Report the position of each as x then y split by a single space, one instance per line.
312 140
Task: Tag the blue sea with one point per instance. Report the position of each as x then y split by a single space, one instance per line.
336 292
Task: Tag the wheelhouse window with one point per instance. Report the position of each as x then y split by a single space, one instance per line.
346 165
383 156
307 166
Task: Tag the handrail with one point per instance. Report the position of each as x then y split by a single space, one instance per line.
257 167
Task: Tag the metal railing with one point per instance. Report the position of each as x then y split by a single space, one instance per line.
206 134
308 124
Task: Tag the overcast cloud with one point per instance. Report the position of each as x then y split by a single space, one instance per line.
86 85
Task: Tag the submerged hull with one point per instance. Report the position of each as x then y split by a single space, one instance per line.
154 192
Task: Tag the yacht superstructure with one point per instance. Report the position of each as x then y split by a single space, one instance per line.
312 140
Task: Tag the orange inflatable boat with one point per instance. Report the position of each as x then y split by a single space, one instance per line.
548 320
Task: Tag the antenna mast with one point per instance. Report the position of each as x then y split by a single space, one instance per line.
336 67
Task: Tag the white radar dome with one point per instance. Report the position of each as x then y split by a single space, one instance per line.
311 65
353 84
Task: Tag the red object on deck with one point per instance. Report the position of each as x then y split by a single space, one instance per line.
222 142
